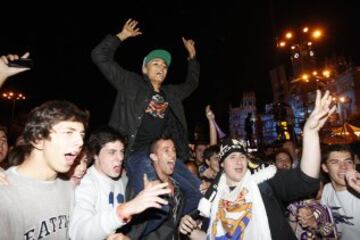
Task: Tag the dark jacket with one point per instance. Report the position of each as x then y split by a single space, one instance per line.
154 224
134 92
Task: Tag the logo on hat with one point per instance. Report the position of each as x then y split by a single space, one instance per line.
230 146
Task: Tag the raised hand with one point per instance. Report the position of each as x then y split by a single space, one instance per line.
353 180
147 198
130 29
209 113
6 71
320 113
190 47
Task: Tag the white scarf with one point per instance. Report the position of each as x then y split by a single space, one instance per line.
240 213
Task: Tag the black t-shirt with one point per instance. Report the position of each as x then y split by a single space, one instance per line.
285 186
153 121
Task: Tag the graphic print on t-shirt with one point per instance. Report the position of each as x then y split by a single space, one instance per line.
157 106
340 218
119 198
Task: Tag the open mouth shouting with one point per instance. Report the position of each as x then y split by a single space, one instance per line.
70 157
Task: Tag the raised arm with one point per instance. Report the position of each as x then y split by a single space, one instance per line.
212 128
6 71
184 89
130 29
190 47
103 56
310 161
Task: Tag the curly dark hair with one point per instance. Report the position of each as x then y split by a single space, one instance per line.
42 118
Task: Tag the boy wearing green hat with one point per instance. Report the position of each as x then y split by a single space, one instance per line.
145 109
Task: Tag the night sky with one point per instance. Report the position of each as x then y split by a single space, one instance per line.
235 47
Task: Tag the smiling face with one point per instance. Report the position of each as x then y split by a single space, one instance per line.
110 159
60 150
283 160
336 165
164 158
235 167
156 70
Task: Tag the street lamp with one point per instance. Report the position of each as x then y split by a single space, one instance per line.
13 96
300 45
301 48
314 75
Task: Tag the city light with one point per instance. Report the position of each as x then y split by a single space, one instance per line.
289 35
13 97
305 77
317 34
282 44
326 73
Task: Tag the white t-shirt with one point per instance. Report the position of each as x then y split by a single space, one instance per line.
346 211
96 199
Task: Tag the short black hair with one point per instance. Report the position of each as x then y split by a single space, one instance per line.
99 137
210 151
283 150
154 143
327 150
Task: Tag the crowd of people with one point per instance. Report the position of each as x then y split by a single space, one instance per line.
138 178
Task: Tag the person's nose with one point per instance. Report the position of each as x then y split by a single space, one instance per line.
79 140
119 157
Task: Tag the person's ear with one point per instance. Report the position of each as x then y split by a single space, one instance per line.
207 161
153 157
324 168
96 158
222 165
38 144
